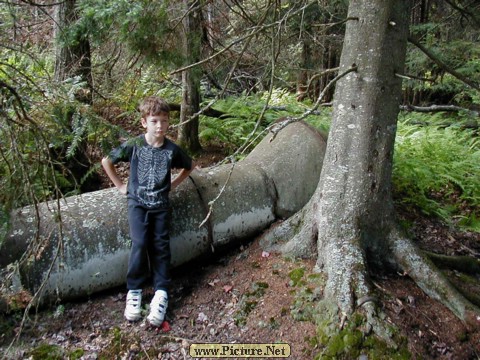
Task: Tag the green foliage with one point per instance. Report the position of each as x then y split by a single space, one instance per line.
436 169
144 26
44 138
453 46
142 82
243 112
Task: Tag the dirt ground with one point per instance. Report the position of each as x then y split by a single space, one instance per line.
243 295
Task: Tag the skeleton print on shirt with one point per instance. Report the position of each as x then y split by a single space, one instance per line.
150 169
153 164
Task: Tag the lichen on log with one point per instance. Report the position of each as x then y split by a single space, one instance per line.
81 245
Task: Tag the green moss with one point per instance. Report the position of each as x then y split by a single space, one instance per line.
46 352
245 308
255 265
119 342
76 354
351 342
463 336
296 276
257 289
307 293
273 323
249 301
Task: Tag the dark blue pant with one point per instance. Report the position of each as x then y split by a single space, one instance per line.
150 247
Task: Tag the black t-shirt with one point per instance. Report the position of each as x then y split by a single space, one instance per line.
150 169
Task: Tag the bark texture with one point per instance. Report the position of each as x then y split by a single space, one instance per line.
355 210
73 57
82 243
350 218
192 35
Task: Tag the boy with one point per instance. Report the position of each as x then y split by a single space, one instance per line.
151 156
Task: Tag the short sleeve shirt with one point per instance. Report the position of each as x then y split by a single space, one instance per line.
150 169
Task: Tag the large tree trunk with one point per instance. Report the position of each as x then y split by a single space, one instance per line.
72 56
192 35
83 248
355 208
350 218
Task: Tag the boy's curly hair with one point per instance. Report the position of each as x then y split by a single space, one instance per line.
152 106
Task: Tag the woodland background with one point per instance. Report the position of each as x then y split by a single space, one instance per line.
73 72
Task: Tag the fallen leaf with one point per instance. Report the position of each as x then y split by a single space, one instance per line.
165 327
227 288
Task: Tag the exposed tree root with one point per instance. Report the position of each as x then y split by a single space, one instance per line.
465 264
348 287
296 236
431 280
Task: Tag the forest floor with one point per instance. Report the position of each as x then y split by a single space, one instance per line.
244 295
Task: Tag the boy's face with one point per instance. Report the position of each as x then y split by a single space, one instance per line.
156 125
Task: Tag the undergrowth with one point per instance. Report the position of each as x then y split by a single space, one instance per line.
436 163
244 112
436 169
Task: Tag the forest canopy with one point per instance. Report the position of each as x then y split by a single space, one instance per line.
73 72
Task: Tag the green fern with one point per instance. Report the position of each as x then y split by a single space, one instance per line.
436 169
244 112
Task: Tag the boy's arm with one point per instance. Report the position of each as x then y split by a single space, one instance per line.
182 175
112 174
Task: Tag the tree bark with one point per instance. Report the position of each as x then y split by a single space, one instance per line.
188 131
354 205
82 243
72 59
350 218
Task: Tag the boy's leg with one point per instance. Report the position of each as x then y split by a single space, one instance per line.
159 249
160 261
137 263
138 269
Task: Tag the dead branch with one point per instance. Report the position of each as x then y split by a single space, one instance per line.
438 108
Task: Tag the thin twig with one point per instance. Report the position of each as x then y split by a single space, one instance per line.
275 128
222 190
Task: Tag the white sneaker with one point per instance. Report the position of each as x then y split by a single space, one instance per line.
158 308
133 310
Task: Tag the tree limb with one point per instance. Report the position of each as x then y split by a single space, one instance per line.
444 66
438 108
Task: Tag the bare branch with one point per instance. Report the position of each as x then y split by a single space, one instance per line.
438 108
444 66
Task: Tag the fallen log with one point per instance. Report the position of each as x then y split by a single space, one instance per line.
81 246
